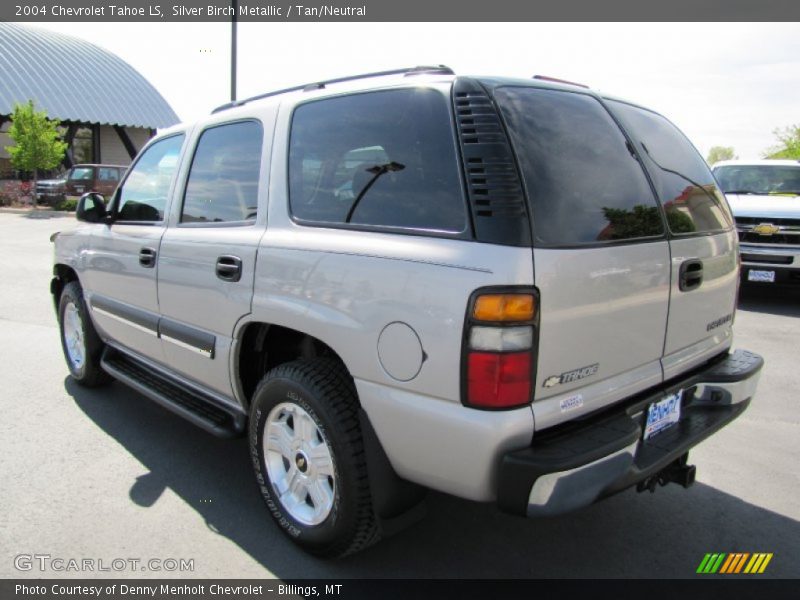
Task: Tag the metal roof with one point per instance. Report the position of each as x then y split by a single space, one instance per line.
74 80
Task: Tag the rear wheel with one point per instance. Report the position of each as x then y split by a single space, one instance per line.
308 456
79 340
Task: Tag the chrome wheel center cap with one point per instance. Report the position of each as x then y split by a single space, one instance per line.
301 462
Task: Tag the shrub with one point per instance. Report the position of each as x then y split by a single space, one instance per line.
66 204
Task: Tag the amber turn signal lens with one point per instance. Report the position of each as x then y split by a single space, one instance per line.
504 307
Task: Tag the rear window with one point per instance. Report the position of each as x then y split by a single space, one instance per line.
691 199
759 179
379 159
584 184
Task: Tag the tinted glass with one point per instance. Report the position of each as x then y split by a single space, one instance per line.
81 174
382 158
143 196
759 179
223 178
691 200
108 174
584 184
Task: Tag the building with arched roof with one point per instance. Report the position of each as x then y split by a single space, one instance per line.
107 109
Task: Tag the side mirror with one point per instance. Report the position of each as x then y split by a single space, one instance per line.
91 208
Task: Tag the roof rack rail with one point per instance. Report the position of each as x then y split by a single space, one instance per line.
318 85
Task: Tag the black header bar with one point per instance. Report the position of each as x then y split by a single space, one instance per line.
733 588
32 11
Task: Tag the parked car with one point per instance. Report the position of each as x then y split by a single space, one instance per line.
765 198
51 190
497 288
79 180
102 179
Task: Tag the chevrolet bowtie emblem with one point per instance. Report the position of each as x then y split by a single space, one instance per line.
766 229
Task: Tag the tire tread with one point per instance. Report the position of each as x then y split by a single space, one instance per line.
330 381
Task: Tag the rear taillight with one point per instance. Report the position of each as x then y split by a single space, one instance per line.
499 354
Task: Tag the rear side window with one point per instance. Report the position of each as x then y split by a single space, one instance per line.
584 184
382 159
691 200
223 179
108 174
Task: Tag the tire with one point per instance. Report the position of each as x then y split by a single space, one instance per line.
79 340
308 456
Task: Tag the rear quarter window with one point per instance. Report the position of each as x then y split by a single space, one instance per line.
384 159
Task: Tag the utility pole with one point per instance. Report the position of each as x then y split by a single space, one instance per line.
235 6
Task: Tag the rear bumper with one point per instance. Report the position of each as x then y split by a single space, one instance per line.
585 462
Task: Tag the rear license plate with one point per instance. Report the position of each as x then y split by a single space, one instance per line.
764 276
663 414
78 189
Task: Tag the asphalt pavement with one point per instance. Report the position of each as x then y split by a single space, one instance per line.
107 475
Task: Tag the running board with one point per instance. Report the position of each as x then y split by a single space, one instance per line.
200 409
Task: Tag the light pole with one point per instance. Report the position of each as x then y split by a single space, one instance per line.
235 6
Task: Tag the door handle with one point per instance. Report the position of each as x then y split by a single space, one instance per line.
147 257
690 275
229 267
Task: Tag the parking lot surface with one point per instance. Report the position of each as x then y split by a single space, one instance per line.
106 474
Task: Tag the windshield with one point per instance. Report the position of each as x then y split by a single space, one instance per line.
759 179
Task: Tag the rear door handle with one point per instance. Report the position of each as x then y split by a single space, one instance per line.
229 267
147 257
690 275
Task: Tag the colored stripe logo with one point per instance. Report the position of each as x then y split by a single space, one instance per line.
734 563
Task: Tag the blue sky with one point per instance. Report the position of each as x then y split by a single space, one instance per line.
723 84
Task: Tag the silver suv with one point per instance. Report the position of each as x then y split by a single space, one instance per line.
764 196
512 291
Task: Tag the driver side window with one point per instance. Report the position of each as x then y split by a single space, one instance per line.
144 194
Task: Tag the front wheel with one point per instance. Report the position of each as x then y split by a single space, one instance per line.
308 456
79 340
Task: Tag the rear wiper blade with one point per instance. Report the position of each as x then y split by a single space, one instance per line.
742 192
784 193
377 171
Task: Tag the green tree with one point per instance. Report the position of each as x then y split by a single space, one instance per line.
38 143
624 224
789 146
718 153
